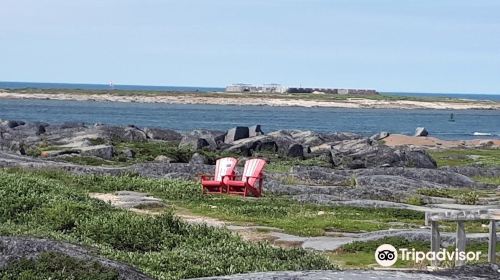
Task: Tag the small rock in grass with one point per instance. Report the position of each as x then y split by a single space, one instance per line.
162 158
198 159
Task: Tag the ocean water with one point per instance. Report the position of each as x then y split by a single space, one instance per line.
468 123
22 85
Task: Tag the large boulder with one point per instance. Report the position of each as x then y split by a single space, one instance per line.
133 133
366 153
202 139
307 138
15 248
379 136
236 133
354 146
341 136
197 158
283 140
255 131
438 176
33 129
118 133
68 125
320 176
249 145
416 158
14 124
162 134
421 131
101 151
473 171
295 150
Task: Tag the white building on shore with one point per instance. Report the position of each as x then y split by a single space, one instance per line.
265 88
277 88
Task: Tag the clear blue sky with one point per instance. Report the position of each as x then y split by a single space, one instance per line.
398 45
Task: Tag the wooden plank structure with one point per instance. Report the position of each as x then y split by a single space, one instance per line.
493 215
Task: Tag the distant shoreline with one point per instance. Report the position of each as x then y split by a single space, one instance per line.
220 98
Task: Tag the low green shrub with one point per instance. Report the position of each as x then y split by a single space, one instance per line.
468 198
415 200
463 196
126 232
51 265
56 205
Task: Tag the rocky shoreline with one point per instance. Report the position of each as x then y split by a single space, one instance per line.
329 168
334 169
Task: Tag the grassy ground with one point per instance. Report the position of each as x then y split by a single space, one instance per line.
52 265
303 219
291 216
488 180
461 157
462 196
56 205
361 254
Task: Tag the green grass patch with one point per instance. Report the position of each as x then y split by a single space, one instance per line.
463 196
56 205
415 200
51 265
302 219
361 254
461 157
488 180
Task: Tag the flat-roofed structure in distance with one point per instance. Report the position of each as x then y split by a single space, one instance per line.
277 88
266 88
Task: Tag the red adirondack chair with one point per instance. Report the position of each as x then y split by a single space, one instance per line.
224 171
251 180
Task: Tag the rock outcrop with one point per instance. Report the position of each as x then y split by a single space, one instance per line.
421 131
14 248
366 153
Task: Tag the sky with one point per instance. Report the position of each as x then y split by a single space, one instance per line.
388 45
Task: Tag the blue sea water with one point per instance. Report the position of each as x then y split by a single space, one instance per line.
22 85
222 117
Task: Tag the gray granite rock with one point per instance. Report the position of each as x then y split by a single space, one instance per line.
14 248
421 131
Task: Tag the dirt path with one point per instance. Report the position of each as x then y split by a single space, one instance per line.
144 204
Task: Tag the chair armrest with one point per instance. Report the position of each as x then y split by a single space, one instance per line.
231 177
234 177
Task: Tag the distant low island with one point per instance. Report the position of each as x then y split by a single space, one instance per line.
311 98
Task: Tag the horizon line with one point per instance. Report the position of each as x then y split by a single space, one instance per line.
222 87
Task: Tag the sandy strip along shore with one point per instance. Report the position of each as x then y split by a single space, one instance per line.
258 100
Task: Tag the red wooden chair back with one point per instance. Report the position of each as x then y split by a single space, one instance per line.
253 169
224 168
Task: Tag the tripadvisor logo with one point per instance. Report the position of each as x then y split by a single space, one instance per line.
386 255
